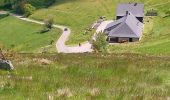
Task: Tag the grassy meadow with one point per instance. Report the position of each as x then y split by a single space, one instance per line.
21 36
119 75
80 14
87 76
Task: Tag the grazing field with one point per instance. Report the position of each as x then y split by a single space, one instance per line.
87 76
22 36
80 14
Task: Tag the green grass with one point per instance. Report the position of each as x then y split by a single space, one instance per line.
36 3
23 36
77 14
116 76
80 14
155 39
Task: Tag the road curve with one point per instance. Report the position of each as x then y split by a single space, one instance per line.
60 44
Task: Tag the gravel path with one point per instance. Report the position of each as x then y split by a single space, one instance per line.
60 44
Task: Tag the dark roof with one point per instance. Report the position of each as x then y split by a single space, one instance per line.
115 23
129 26
136 8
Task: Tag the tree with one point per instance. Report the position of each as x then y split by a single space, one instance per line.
49 23
19 6
28 10
100 43
16 5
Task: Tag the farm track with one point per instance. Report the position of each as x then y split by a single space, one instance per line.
60 44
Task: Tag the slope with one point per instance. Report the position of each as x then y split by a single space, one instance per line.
80 14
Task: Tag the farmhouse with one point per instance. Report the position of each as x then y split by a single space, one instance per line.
128 26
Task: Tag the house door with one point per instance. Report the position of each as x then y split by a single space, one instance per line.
130 40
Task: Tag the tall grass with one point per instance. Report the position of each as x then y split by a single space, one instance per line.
87 76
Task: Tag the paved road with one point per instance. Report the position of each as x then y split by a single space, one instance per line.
60 45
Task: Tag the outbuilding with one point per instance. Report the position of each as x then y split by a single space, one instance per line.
137 9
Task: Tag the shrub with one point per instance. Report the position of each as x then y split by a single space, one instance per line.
28 10
49 23
100 43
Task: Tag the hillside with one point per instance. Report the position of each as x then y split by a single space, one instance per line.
128 71
36 3
80 14
22 36
41 3
87 76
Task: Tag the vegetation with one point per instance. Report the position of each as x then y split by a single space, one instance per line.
167 13
22 36
100 44
28 10
42 3
9 4
80 14
3 16
121 75
154 41
19 6
47 26
103 76
49 23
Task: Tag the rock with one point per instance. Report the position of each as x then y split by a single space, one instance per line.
45 61
50 97
6 64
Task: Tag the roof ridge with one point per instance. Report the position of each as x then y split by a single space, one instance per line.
131 14
131 29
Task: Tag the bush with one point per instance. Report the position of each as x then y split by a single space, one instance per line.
100 43
49 23
28 10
